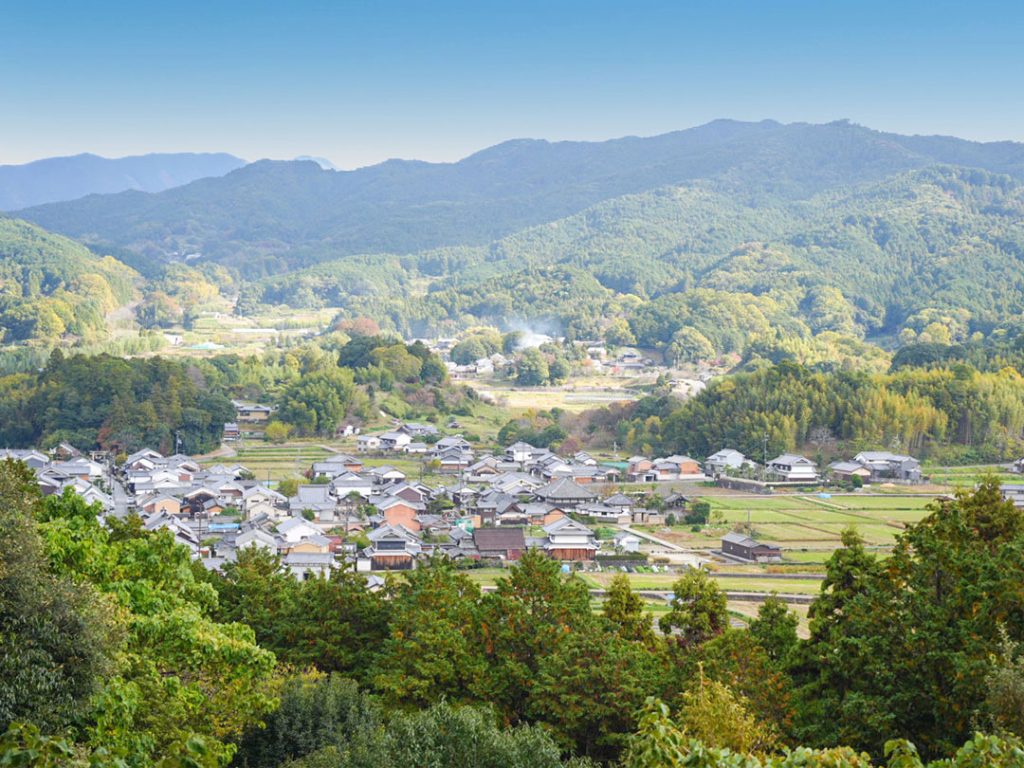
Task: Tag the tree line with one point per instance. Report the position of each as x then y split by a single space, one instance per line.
119 650
952 413
122 404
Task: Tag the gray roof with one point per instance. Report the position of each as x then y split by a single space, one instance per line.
739 538
505 538
565 489
745 541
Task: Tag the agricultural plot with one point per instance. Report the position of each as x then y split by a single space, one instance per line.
764 582
575 397
966 477
884 503
812 522
274 462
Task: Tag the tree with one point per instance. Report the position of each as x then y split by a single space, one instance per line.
334 624
530 612
905 647
834 615
588 689
58 639
1003 708
624 609
735 659
432 651
289 486
698 609
775 628
182 673
698 513
618 333
277 432
316 403
714 715
397 359
532 369
468 351
316 711
559 370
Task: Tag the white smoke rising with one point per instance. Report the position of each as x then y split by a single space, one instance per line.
535 332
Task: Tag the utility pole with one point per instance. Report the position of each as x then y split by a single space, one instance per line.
764 467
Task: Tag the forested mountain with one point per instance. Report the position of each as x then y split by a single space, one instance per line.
271 216
935 253
779 241
68 178
51 287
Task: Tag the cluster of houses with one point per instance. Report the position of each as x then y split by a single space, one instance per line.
371 517
452 454
626 361
375 518
67 467
247 416
878 466
868 466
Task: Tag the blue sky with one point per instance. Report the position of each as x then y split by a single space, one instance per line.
359 82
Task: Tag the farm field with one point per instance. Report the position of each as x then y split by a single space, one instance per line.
966 477
579 395
753 583
803 522
273 462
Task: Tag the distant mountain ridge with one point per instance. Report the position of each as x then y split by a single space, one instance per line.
58 179
273 216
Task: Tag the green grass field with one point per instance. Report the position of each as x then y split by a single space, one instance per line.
753 583
964 477
273 462
808 522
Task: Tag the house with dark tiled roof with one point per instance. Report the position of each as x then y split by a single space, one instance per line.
570 540
504 543
391 548
565 493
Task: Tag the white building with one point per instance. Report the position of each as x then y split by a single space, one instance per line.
793 469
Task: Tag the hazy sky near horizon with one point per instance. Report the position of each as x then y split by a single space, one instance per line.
360 82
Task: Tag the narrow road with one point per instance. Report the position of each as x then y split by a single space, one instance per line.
666 544
120 497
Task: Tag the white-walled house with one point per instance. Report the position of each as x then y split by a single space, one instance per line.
792 468
294 529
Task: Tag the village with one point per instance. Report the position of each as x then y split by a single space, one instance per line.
650 517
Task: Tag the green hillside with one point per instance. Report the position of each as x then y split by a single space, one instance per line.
931 255
270 217
727 241
52 287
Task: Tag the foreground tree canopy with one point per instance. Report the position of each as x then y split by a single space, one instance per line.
118 650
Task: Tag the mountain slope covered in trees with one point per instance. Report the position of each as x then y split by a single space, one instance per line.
55 179
51 287
271 216
934 253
